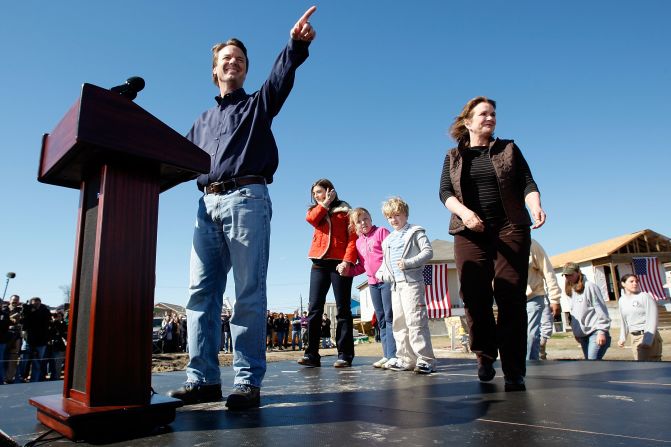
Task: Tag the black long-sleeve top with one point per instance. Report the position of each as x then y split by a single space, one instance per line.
480 186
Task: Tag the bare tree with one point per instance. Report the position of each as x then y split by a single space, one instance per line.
66 289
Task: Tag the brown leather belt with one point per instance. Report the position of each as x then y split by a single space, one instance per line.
228 185
637 332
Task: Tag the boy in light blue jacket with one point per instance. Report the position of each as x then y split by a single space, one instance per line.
405 251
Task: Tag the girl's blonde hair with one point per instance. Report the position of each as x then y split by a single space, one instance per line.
354 216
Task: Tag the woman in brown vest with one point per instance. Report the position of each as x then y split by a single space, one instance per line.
485 183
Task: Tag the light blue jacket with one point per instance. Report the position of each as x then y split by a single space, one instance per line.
417 251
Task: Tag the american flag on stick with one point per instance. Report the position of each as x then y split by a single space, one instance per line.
437 295
649 277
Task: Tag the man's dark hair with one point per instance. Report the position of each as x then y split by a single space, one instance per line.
215 53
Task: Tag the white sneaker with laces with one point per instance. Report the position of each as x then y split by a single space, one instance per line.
380 362
424 368
391 362
400 365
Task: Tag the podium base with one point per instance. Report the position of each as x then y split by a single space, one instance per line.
77 421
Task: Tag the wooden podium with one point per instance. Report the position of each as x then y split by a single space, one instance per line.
120 157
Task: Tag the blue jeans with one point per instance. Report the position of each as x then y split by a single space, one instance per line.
33 355
280 339
590 349
535 308
547 321
232 231
380 295
55 364
296 339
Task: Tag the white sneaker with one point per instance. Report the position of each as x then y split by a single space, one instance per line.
389 363
424 368
380 363
400 365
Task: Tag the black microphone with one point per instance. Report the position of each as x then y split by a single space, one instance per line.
130 88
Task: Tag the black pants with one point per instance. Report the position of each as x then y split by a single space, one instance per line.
322 277
493 265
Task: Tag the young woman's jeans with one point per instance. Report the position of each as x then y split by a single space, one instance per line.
590 349
232 231
380 295
321 279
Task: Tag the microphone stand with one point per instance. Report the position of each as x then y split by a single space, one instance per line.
10 275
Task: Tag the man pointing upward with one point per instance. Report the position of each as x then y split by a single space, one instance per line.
232 227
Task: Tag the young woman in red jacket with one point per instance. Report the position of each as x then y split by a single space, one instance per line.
333 245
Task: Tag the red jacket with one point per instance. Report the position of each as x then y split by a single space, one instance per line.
331 238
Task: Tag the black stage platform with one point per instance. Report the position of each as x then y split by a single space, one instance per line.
574 403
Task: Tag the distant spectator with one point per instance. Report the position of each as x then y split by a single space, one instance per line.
376 332
183 334
176 329
296 332
4 337
278 326
226 344
638 311
286 327
589 315
269 330
326 332
304 328
167 334
58 335
14 338
36 321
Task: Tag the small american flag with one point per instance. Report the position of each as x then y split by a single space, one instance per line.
437 295
647 270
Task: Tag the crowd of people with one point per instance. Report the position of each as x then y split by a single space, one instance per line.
33 340
173 333
283 332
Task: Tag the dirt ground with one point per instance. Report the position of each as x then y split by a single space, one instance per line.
561 346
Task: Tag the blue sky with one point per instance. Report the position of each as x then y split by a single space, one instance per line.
582 87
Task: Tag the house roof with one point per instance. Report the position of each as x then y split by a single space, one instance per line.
611 246
171 307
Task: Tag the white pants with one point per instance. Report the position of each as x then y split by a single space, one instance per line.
411 324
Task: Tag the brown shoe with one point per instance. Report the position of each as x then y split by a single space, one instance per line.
486 371
516 384
244 397
196 393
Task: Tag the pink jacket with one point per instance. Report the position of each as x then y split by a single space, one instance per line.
369 250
